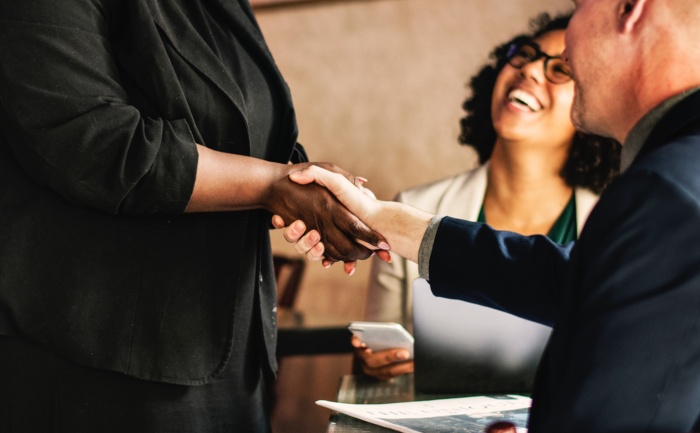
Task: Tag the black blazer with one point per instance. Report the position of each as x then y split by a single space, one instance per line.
624 299
102 102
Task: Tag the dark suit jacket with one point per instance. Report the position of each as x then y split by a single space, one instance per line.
102 102
624 300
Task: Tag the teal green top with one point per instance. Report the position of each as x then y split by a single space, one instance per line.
564 229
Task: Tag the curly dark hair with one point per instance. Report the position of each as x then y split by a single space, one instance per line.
593 161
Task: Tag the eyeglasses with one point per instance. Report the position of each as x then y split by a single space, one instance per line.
556 70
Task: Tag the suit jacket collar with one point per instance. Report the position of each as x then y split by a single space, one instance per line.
684 115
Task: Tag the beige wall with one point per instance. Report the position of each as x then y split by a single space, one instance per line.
378 87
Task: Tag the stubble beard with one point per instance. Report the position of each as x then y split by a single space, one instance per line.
577 113
580 115
587 119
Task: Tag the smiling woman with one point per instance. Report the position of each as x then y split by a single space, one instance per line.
591 162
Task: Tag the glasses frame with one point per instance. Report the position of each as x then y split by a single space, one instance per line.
514 48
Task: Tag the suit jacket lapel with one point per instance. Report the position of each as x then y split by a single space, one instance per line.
240 17
247 28
173 23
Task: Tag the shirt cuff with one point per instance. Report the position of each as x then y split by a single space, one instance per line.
426 247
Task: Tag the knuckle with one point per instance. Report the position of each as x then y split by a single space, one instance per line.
299 248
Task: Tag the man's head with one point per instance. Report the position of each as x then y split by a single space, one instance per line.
627 56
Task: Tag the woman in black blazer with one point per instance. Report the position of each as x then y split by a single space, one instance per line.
143 145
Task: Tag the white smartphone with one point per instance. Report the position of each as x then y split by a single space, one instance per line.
383 335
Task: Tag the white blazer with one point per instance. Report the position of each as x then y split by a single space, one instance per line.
460 196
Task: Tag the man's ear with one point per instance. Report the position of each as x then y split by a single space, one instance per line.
630 13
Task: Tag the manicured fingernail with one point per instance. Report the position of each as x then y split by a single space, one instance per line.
351 272
402 354
361 179
384 246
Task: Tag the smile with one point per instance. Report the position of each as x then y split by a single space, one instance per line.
524 99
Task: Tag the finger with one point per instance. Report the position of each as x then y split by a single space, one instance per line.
399 369
316 253
339 247
355 180
335 182
356 342
295 231
386 357
307 242
501 427
383 246
359 231
389 371
305 176
277 222
349 268
384 255
363 354
351 230
332 254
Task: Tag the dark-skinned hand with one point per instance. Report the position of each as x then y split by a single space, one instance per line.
321 211
501 427
382 365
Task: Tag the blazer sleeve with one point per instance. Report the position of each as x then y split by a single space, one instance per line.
68 120
522 275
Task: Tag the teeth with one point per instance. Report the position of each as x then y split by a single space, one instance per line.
524 98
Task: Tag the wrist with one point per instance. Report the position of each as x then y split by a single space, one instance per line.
276 186
403 226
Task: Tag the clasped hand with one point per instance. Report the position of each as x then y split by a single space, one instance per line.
321 227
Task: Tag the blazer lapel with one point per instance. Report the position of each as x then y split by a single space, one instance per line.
240 16
173 23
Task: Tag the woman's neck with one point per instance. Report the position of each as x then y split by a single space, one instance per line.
525 192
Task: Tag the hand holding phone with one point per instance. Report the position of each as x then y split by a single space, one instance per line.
380 336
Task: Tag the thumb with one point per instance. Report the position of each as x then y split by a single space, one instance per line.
305 176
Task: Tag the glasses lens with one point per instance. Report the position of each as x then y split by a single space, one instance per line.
557 71
522 55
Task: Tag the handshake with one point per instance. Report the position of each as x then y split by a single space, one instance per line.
343 221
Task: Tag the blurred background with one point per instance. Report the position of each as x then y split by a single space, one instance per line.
378 87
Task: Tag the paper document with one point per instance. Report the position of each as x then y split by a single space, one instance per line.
464 414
